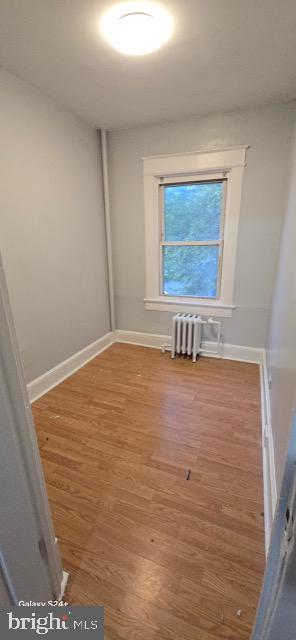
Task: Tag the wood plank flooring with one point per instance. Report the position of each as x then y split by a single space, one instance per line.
169 558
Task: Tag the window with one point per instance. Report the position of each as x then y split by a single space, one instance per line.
192 238
192 204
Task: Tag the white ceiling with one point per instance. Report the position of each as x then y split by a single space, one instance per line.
224 54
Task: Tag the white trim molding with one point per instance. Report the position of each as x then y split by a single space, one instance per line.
195 161
269 477
227 164
207 308
53 377
228 351
64 583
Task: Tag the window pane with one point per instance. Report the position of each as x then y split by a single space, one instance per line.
192 211
190 271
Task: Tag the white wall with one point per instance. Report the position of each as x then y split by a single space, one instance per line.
282 337
52 235
267 130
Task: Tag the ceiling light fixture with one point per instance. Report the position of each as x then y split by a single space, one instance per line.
137 28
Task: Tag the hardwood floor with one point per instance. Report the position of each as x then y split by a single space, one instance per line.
169 557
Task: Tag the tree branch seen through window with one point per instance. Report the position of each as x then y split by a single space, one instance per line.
191 238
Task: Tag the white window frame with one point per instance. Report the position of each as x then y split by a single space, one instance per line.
194 166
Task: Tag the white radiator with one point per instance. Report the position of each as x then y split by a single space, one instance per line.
186 335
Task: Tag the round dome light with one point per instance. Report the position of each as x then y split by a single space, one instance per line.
137 28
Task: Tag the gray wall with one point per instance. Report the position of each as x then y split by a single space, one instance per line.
267 130
52 235
282 338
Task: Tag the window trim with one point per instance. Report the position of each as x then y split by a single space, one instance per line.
199 164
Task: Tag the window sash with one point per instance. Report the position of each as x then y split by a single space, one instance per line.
175 243
188 179
191 243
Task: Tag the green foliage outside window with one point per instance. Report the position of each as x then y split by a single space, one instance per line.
192 212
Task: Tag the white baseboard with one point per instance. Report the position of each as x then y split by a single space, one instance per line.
241 353
228 351
52 378
269 477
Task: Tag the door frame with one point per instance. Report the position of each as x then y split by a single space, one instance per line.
18 433
276 614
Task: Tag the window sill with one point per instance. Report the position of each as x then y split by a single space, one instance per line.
179 305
